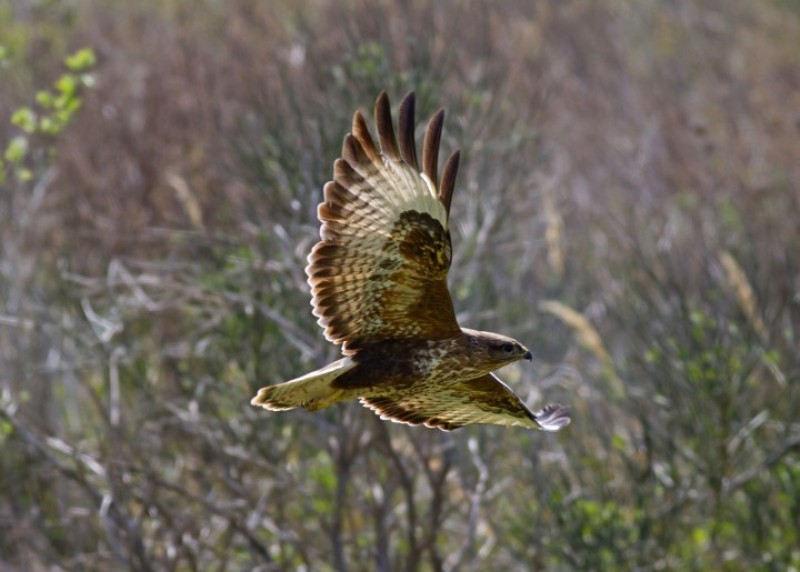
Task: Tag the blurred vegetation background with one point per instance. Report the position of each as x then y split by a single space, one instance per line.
628 207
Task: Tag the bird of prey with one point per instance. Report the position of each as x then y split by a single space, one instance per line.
378 280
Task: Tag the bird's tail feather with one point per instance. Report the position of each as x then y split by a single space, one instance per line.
312 391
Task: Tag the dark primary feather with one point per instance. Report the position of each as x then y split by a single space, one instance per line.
408 148
448 182
383 120
430 148
363 136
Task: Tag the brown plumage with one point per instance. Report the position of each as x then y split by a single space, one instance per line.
379 288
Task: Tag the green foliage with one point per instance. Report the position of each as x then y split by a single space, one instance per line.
56 109
81 61
16 150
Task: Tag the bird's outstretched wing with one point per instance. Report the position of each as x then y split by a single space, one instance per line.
380 270
485 399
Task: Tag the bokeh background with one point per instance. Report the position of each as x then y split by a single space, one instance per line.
628 206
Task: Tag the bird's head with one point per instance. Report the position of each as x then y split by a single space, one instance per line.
493 351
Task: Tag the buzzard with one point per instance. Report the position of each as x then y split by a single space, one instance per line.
378 283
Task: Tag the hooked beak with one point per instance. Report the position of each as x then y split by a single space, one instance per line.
528 356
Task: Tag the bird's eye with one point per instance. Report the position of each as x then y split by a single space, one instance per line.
508 348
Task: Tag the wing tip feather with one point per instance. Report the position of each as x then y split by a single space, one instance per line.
552 417
408 147
430 146
448 182
383 122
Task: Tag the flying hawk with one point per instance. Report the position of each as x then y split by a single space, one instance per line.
378 282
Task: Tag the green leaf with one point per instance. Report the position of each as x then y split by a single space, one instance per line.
48 126
81 60
17 149
700 536
6 429
25 119
67 84
44 98
24 175
619 443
